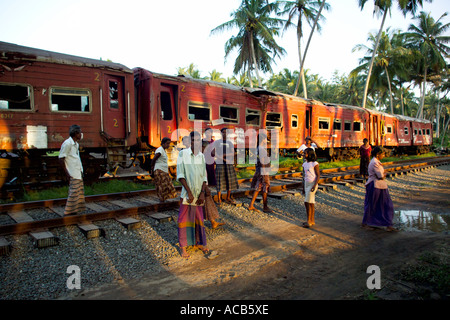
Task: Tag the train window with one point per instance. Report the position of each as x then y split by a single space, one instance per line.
428 132
388 129
252 117
273 120
347 126
420 132
166 106
415 132
199 111
356 126
406 130
324 123
70 99
15 97
113 94
337 124
294 121
229 114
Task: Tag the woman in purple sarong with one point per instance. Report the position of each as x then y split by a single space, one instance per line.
378 206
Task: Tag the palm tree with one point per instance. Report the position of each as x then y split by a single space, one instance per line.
429 40
309 10
255 40
385 6
216 76
389 62
191 71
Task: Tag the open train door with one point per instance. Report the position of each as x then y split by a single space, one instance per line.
374 132
308 121
168 123
114 121
168 119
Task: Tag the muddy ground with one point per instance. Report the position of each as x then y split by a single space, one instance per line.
284 261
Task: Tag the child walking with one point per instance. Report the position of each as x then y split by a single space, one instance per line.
311 176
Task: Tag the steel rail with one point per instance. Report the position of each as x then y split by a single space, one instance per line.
149 209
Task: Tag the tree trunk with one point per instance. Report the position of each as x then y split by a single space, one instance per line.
373 58
422 99
302 61
444 130
252 48
390 90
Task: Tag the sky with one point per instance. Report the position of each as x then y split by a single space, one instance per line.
162 36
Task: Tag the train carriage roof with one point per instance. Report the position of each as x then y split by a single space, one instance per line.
406 118
11 51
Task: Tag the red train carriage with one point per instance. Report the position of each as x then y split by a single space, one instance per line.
43 93
414 135
339 129
170 106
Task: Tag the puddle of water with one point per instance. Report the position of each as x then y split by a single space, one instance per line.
422 220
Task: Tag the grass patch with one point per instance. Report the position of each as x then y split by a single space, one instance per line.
104 187
430 273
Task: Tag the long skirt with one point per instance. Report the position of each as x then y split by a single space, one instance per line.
164 186
75 199
191 230
211 212
260 182
378 207
364 166
226 177
211 174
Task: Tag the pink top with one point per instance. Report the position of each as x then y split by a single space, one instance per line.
376 173
310 174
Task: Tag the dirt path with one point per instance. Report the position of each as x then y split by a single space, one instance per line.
284 261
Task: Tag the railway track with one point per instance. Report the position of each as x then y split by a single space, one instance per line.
37 218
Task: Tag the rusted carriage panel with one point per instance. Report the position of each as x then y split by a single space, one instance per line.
339 126
167 103
43 93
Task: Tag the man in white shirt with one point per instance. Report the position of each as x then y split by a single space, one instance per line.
309 143
191 172
69 157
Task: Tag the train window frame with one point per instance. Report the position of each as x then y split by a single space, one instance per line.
415 132
406 131
280 120
335 122
349 124
389 129
294 120
88 94
252 112
165 115
30 90
323 120
227 119
428 132
198 105
114 98
355 129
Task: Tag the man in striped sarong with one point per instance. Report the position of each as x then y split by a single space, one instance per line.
191 172
69 157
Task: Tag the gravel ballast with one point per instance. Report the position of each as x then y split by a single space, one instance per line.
41 273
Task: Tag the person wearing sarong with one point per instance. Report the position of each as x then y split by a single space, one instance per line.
261 180
364 152
311 176
159 170
191 172
211 212
208 151
225 174
69 158
378 206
